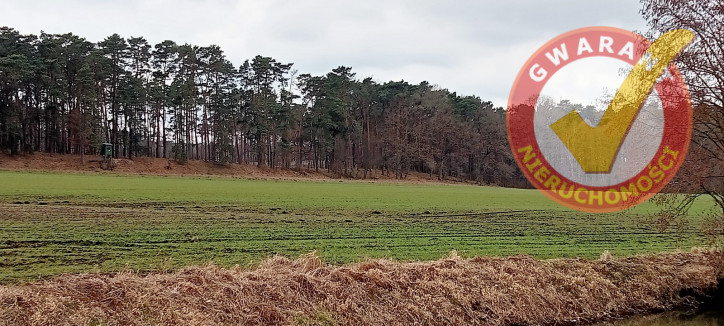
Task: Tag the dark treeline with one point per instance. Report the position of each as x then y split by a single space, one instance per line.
64 94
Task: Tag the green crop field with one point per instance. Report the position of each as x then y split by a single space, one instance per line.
56 223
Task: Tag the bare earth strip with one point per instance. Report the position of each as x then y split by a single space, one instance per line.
161 166
517 290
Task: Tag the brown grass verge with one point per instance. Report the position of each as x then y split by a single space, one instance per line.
160 166
453 291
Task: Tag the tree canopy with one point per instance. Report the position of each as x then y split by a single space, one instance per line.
64 94
702 64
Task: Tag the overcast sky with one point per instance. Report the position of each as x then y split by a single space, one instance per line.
472 47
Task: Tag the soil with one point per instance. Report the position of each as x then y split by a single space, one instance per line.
162 166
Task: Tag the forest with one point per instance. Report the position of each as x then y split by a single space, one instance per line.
60 93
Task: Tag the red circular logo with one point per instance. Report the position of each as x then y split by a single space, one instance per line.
642 135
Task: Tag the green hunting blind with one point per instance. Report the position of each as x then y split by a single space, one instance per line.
107 149
107 153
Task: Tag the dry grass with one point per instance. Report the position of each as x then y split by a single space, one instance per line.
160 166
147 165
453 291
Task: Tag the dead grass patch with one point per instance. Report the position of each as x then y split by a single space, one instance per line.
161 166
516 290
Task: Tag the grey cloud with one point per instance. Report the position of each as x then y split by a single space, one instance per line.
473 47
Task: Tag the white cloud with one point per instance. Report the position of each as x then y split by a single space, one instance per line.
472 47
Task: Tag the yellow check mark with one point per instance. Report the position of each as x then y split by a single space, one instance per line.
595 148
